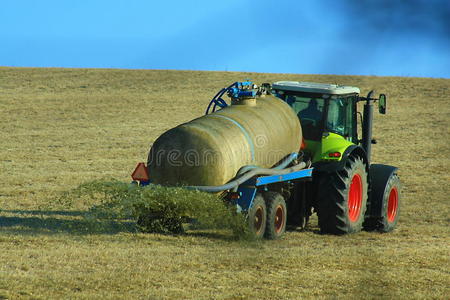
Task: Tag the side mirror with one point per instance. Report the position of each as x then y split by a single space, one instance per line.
382 104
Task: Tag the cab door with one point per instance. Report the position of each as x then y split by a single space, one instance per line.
341 117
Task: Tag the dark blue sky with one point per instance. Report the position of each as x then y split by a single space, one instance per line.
367 37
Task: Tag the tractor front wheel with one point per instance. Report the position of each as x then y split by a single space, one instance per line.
390 207
342 198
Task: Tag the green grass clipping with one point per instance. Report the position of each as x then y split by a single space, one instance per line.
158 209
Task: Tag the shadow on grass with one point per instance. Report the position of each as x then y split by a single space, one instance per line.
72 222
309 228
226 237
41 224
45 213
76 223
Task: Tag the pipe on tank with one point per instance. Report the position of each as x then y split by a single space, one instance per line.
282 165
253 172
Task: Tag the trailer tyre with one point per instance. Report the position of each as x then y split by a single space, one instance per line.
342 198
276 215
257 216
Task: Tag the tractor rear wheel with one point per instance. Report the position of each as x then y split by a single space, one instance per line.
257 216
276 215
342 198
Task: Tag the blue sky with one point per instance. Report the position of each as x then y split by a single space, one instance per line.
362 37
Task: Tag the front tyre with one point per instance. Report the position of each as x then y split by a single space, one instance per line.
390 207
342 198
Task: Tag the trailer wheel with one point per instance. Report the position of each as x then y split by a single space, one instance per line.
276 215
342 198
257 216
390 207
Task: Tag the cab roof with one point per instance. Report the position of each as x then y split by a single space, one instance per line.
312 87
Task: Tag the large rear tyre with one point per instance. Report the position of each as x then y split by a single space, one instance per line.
342 198
390 207
276 215
257 216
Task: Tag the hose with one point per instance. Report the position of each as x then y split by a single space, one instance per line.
253 172
282 165
217 97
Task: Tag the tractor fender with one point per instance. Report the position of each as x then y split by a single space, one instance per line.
379 176
330 167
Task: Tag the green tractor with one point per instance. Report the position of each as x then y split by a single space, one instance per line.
347 192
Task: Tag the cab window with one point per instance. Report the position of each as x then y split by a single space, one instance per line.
340 117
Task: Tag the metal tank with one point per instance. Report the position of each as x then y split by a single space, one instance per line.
211 149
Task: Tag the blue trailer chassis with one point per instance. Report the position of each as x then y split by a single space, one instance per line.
247 190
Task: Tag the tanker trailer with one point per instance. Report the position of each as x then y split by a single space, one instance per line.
211 149
249 151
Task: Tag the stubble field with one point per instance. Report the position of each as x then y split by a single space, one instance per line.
62 127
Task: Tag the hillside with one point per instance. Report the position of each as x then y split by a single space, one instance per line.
62 127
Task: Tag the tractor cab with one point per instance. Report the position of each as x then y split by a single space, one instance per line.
327 113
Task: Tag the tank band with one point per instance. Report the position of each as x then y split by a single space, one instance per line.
247 136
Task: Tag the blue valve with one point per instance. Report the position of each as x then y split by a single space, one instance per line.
242 89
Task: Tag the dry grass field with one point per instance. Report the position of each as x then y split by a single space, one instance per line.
62 127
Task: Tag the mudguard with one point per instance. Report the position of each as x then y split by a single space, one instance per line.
329 167
379 176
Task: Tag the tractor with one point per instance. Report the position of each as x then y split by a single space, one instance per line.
347 191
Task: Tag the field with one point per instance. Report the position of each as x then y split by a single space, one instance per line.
62 127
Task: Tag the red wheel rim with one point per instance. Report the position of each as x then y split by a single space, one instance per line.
259 220
355 198
392 205
279 218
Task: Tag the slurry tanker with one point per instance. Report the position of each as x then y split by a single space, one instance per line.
281 151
